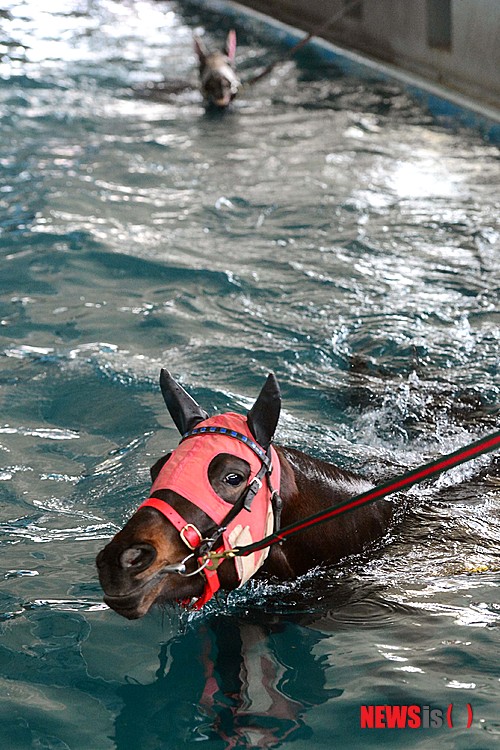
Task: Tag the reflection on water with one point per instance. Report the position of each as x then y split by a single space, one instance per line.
248 689
328 229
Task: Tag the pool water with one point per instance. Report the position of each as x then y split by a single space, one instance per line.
329 229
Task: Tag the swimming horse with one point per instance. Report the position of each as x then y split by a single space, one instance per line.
227 485
219 83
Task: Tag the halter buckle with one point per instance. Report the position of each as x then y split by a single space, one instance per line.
253 488
190 536
257 483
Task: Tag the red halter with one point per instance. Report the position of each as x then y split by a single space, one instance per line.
186 473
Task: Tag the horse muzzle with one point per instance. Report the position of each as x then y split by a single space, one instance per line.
134 576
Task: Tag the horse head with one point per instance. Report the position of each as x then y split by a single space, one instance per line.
218 81
213 492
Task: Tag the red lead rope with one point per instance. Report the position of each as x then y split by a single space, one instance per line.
404 481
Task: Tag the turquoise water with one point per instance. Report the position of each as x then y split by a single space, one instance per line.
328 229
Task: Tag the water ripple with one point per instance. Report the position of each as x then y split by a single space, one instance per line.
328 229
41 432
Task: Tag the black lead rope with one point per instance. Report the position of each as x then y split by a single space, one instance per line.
486 444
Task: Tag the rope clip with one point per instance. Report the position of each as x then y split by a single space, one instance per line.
212 560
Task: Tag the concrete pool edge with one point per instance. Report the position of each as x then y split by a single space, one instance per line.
448 106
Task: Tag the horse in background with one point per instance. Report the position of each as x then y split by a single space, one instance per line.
218 81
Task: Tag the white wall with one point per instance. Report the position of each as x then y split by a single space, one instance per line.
396 31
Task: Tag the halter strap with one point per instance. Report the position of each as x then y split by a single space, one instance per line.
188 532
259 452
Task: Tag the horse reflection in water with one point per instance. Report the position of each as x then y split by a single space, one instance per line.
224 680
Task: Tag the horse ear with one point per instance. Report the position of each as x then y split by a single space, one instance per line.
158 466
200 50
230 48
264 414
183 409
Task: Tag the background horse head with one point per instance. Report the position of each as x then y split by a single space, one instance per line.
218 81
217 488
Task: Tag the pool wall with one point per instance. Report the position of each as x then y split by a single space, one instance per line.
446 41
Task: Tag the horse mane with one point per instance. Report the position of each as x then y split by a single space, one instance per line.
329 480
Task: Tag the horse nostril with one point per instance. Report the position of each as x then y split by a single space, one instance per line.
137 558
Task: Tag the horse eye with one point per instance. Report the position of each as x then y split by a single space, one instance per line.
233 479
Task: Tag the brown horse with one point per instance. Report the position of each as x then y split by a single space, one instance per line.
210 489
